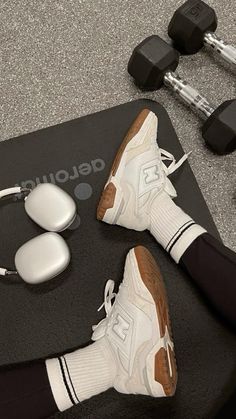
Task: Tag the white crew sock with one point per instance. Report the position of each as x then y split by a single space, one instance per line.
172 227
81 374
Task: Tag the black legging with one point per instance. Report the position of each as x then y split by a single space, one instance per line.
25 391
213 267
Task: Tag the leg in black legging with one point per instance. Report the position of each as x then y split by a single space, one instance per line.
213 267
39 389
25 392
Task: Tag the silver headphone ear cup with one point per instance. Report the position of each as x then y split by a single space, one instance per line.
42 258
50 207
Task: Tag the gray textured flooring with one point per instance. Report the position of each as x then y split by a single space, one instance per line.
67 58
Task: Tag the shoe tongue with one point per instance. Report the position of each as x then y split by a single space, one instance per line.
169 188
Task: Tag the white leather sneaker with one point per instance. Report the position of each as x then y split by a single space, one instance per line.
137 176
137 329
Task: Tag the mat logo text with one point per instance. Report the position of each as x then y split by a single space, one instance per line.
66 175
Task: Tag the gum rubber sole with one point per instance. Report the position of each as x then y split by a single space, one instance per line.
108 195
106 201
165 363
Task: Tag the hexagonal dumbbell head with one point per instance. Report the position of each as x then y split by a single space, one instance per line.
219 130
150 61
189 24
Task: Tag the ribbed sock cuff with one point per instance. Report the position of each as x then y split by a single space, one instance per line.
81 374
172 227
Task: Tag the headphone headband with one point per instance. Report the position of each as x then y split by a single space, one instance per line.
3 193
13 191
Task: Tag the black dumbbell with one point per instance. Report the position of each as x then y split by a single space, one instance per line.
193 25
153 63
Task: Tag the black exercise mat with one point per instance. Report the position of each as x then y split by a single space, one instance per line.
39 321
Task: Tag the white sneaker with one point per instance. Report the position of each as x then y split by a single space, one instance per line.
137 176
137 329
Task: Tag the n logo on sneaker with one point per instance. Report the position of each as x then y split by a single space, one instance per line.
120 327
151 174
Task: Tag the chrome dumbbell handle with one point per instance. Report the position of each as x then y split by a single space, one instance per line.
228 52
190 95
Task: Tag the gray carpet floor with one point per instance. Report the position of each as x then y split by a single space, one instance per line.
68 58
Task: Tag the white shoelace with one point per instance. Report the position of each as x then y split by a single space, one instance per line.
166 156
108 297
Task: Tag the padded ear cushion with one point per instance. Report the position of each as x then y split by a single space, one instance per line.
42 258
50 207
